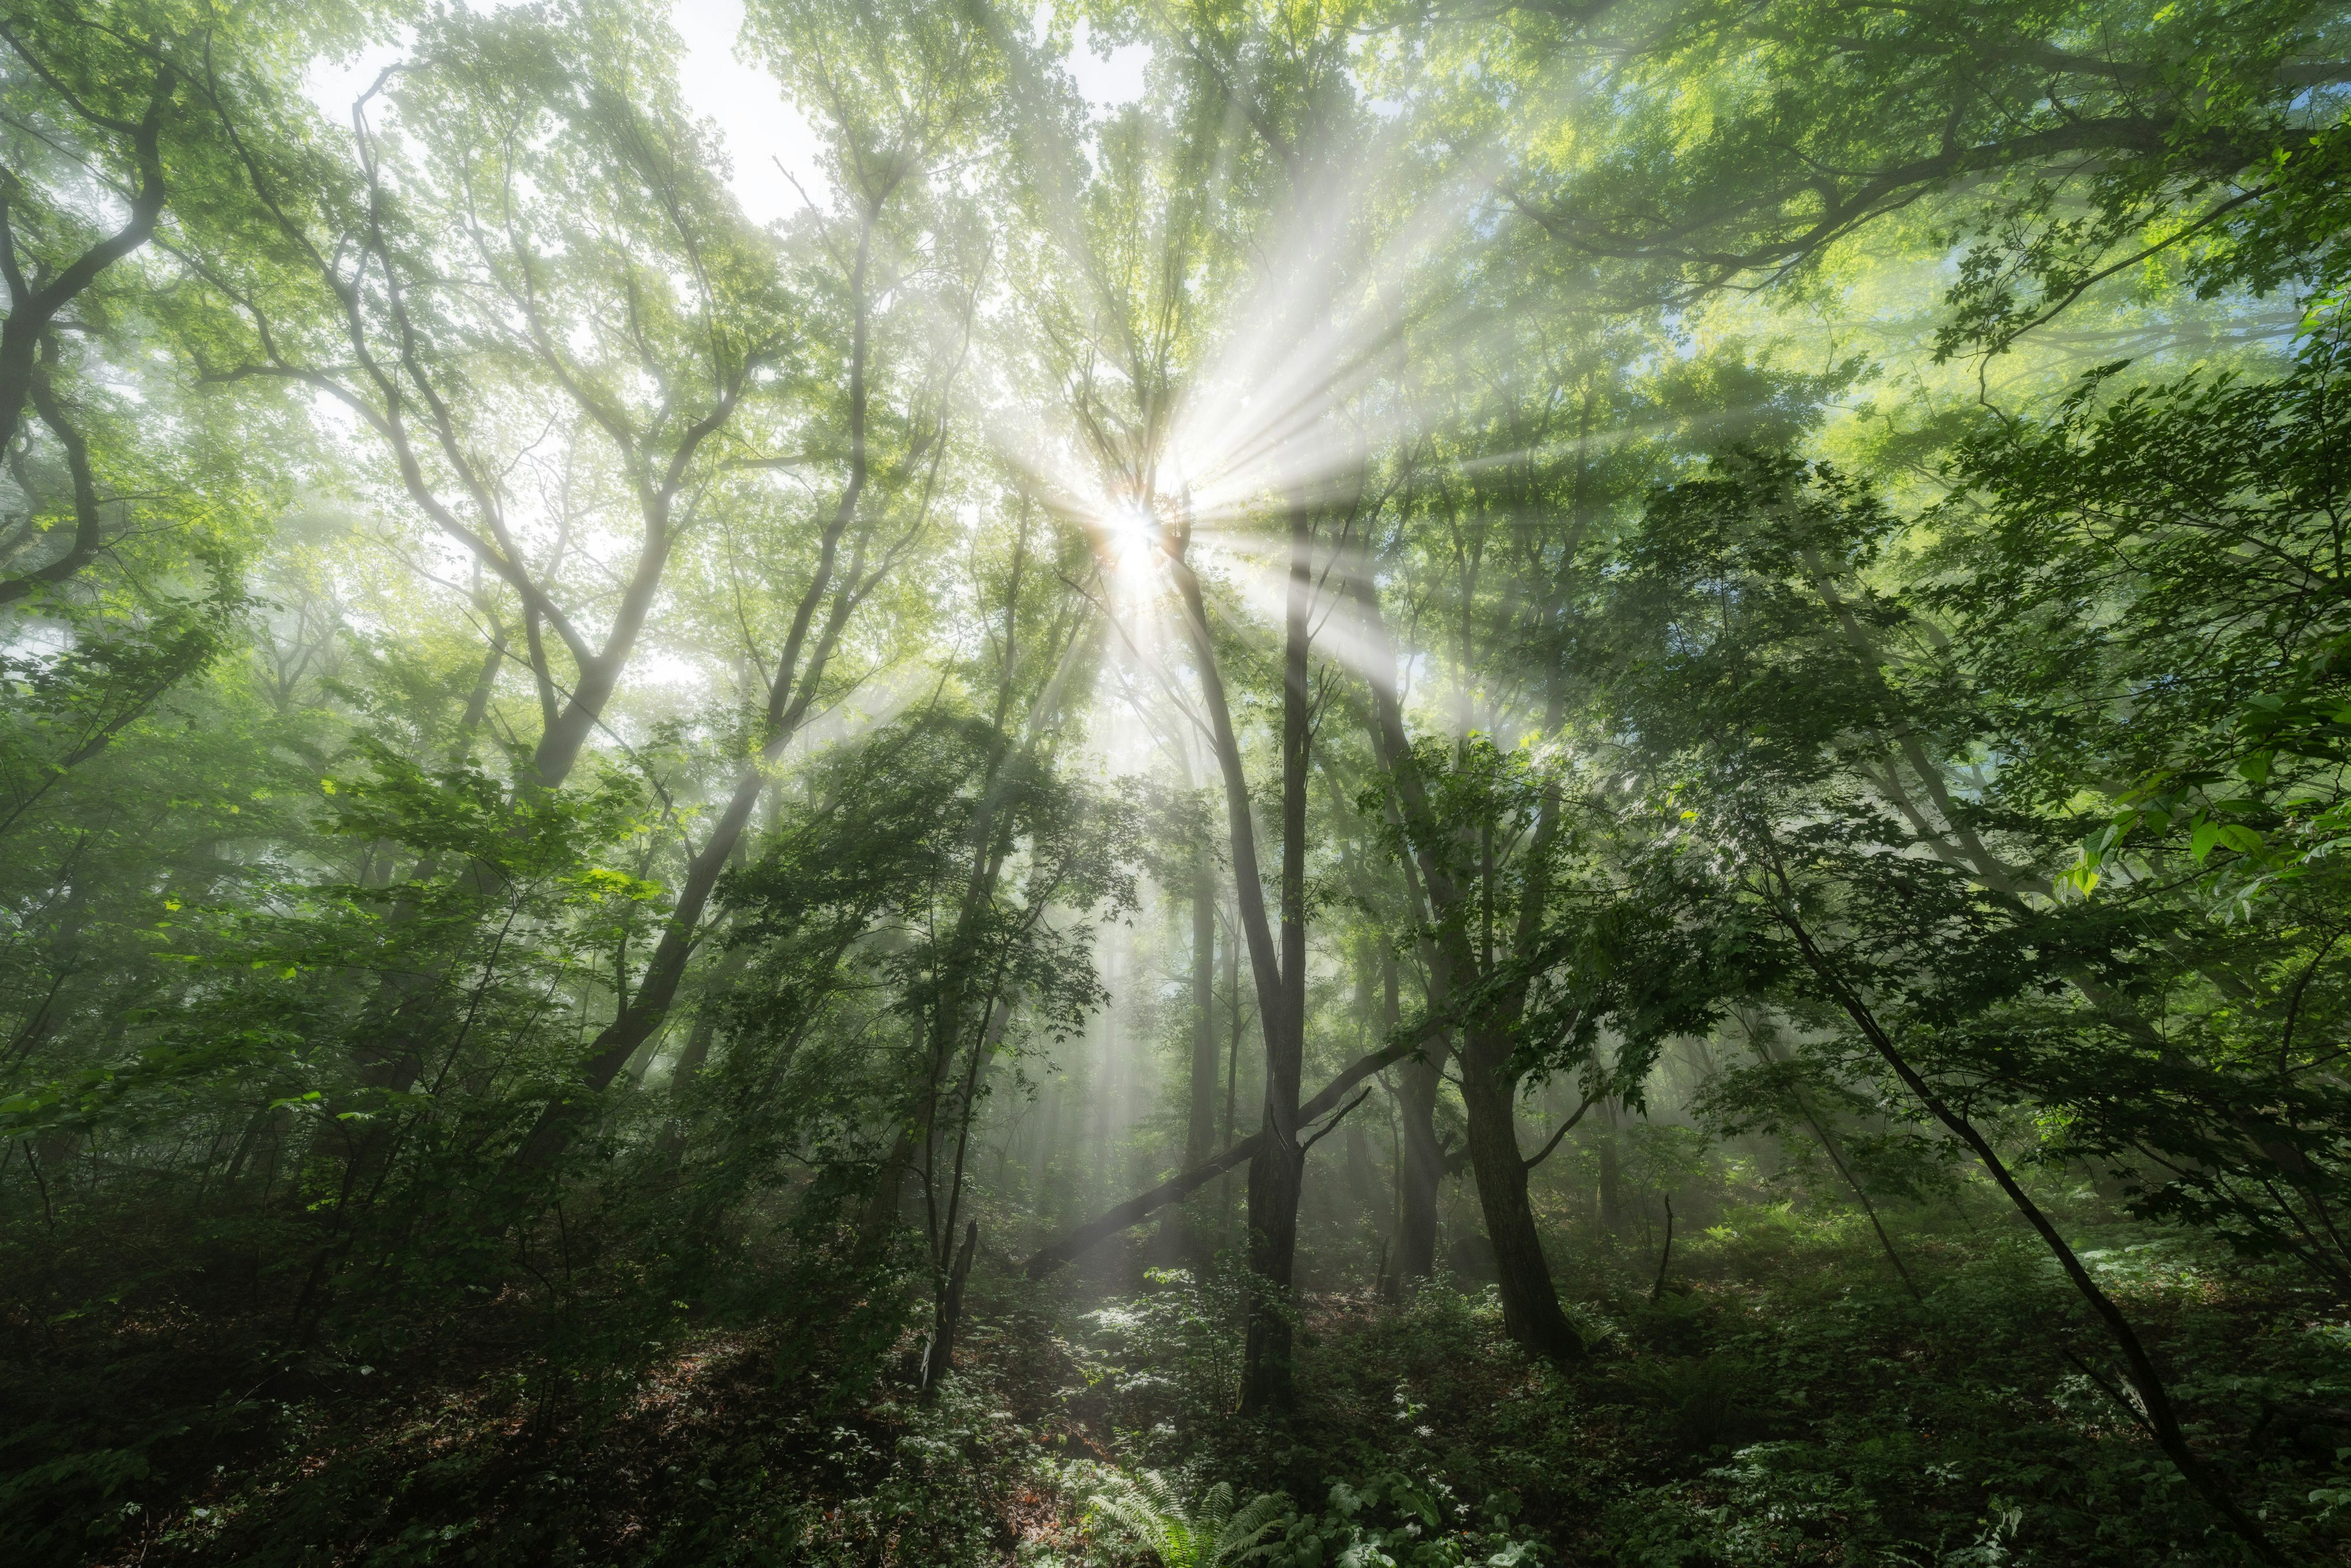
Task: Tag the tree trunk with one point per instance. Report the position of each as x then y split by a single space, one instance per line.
1423 1170
1277 1175
939 1360
412 1007
1275 1178
1102 1226
789 697
1273 1198
690 1060
1200 1131
1612 1209
1530 1309
1201 1128
1363 1189
35 303
1420 1164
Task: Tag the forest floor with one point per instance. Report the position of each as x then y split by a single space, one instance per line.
1782 1400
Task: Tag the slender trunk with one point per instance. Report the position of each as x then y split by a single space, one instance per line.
1612 1209
689 1068
1275 1170
690 1060
1530 1309
1249 885
413 1008
1420 1164
988 854
938 1359
2154 1410
1233 1047
1278 1173
1232 1071
1833 1147
789 697
1200 1131
922 1132
1362 1181
636 1021
885 1204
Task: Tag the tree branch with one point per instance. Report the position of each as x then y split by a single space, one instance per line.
1072 1244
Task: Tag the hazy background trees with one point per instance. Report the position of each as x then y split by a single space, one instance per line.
1335 646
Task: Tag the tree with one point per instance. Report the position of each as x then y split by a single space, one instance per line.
2074 144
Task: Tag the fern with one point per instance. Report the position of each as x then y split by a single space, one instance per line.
1210 1534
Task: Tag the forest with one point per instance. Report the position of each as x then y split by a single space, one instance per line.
1178 783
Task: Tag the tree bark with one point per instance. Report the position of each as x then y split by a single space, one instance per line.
31 308
938 1358
1278 1175
1420 1164
1612 1209
690 1060
1530 1309
1200 1129
1530 1306
1275 1171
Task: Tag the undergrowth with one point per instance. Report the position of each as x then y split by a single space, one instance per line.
1782 1400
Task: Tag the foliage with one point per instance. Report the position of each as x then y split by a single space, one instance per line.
1210 1533
623 787
1430 1530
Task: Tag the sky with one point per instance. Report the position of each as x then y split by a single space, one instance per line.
761 131
768 142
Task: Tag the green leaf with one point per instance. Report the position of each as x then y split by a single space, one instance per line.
2210 835
2081 877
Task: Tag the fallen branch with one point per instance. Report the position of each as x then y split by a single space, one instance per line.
1108 1223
